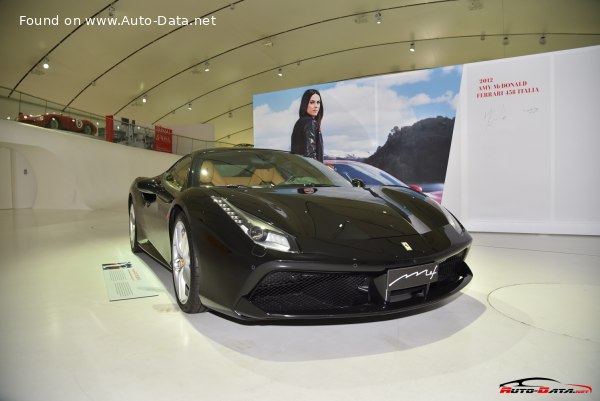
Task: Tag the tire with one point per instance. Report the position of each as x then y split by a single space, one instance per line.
87 130
133 237
186 273
54 123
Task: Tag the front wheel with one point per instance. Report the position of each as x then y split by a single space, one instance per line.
133 238
186 274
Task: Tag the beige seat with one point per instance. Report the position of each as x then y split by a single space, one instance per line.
209 175
266 176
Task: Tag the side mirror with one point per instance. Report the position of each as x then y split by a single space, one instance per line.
357 182
147 187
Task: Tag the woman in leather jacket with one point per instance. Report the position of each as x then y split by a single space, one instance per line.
306 137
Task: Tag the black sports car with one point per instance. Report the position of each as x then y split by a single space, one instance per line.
265 234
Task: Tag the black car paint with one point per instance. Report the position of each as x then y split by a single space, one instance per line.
337 229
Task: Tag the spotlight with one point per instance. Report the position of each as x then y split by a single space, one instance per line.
543 40
280 72
378 17
412 47
144 99
46 63
505 41
111 11
230 115
206 67
189 106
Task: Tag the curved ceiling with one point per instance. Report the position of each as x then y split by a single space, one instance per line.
108 69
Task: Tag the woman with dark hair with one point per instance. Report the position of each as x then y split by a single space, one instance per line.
306 137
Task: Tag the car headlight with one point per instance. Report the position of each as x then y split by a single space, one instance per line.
257 230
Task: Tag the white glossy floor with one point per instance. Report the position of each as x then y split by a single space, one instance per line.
532 310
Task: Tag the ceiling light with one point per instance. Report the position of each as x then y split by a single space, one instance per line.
111 11
280 72
46 63
543 40
268 43
505 41
189 106
230 115
482 37
206 67
475 5
144 99
412 47
378 17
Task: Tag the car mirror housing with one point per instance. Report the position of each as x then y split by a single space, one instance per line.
357 182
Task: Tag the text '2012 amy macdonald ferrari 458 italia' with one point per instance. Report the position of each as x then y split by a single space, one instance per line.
263 234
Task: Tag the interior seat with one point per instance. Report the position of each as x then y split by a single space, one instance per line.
266 176
209 175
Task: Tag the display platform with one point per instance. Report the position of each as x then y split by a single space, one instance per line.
530 311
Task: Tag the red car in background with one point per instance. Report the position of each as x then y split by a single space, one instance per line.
371 175
59 121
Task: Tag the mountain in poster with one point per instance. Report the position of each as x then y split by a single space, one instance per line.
417 153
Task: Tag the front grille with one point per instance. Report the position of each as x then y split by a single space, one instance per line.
297 292
449 268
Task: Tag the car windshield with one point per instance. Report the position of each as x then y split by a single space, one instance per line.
368 174
262 168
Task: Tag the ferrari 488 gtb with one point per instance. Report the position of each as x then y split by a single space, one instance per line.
264 234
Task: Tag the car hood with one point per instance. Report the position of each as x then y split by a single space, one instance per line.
390 222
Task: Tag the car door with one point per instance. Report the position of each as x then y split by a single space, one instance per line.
172 183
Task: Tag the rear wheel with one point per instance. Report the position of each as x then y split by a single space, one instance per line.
87 130
186 274
133 240
54 124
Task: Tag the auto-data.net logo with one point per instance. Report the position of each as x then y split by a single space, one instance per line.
542 385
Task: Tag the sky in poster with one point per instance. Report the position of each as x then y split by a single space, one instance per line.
360 113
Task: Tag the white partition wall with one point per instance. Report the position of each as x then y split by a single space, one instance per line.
526 148
70 171
6 192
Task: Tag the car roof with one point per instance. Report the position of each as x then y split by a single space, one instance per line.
232 150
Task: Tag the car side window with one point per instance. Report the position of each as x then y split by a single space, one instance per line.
177 177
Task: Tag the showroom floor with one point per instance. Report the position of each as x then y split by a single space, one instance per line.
531 311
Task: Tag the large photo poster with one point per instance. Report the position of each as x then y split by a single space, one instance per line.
400 124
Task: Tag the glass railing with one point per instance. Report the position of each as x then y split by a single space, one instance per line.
24 108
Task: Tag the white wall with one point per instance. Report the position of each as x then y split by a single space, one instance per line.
187 138
6 191
74 172
528 162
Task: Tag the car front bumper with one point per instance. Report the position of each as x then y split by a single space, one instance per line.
307 291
